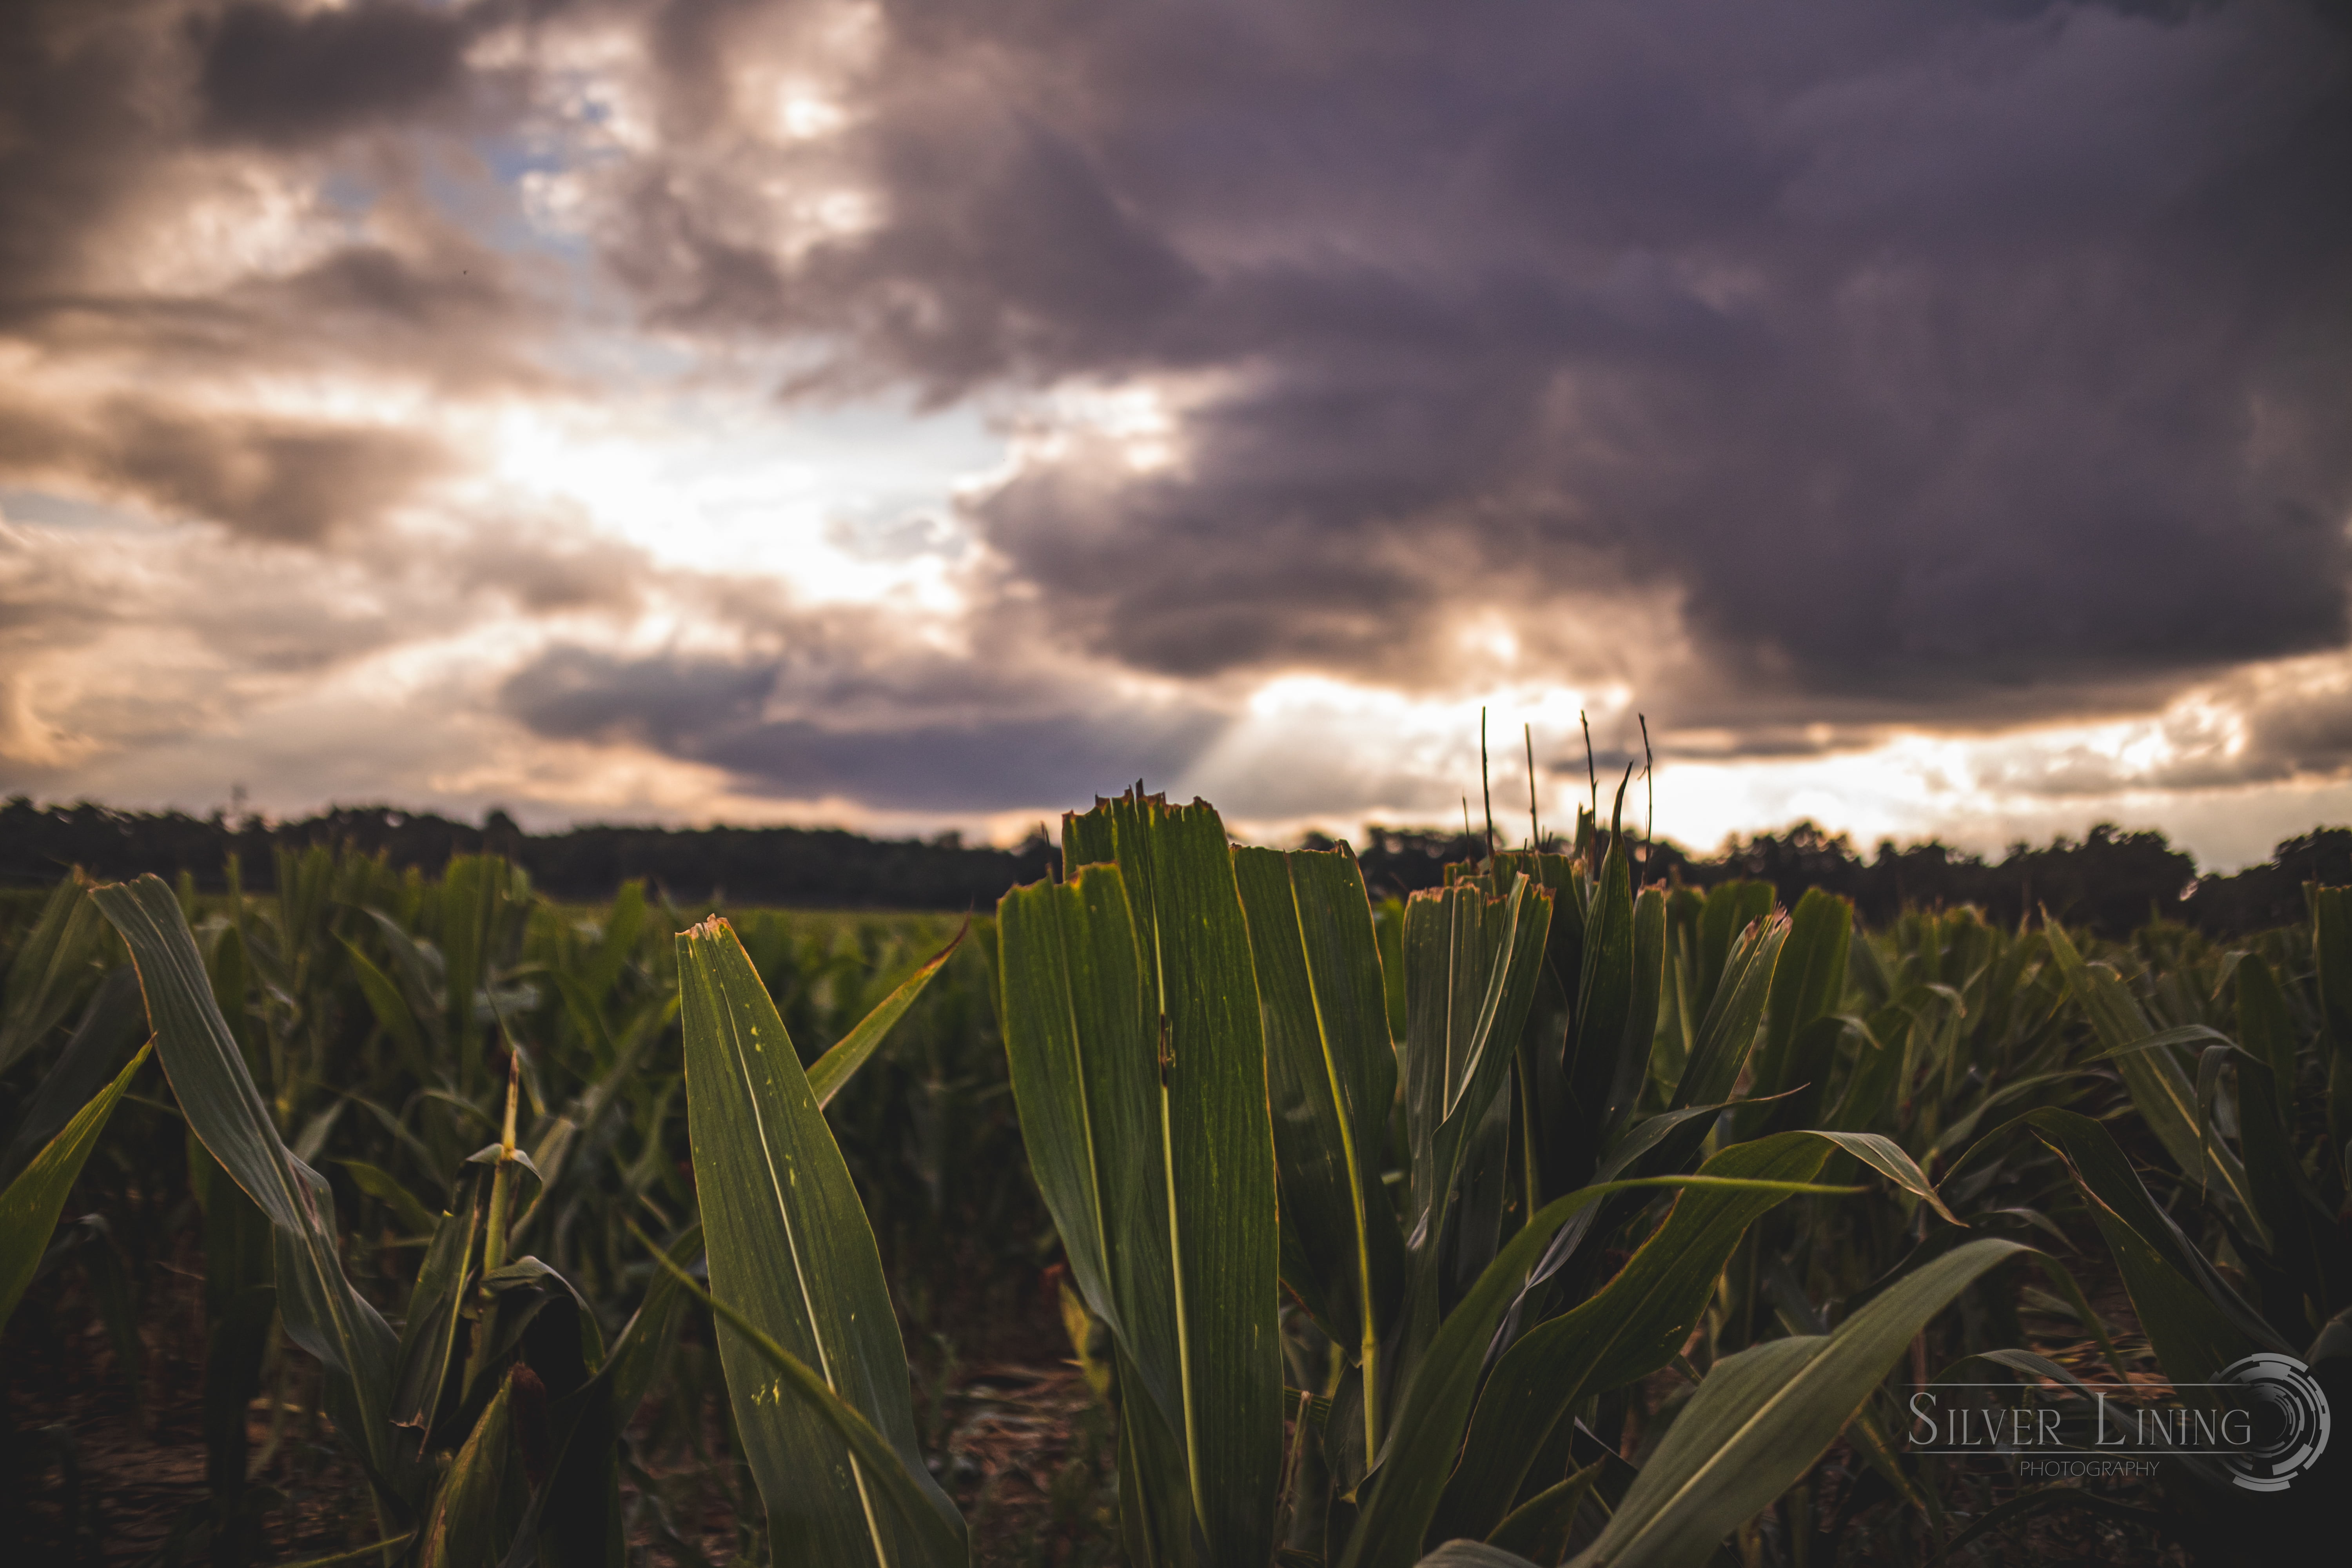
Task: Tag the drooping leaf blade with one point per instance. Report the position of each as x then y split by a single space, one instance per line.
1761 1417
321 1310
2195 1319
1627 1330
1434 1404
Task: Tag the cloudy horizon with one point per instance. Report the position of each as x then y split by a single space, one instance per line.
906 418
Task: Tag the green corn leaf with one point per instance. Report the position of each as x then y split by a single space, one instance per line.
622 922
390 1009
2307 1243
902 1492
428 1334
792 1255
43 978
1331 1073
839 1064
1801 1031
1550 1138
1081 1052
2159 1090
322 1312
1169 1150
1435 1400
1540 1527
2179 1035
2263 1025
1606 1002
1641 1019
1761 1417
1729 909
1671 1140
381 1184
422 971
472 888
462 1527
1874 1083
1888 1157
1472 959
1629 1329
2331 949
638 1354
2196 1321
109 1027
1727 1030
29 1206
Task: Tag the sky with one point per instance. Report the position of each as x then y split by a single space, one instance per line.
1933 419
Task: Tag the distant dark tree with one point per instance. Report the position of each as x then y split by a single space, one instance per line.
746 865
2261 897
1805 857
1401 860
2112 882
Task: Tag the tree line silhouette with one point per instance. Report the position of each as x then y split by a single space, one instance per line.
2111 880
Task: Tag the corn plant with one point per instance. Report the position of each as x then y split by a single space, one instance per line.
1218 1115
49 1141
486 1423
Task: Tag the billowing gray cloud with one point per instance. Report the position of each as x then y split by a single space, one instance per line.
1929 355
287 480
277 75
751 717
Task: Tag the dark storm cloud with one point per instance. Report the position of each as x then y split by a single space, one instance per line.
1929 355
74 142
273 74
751 718
294 482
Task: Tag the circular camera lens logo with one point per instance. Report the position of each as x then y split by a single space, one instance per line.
2289 1425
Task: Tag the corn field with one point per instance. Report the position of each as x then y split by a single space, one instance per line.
1544 1217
